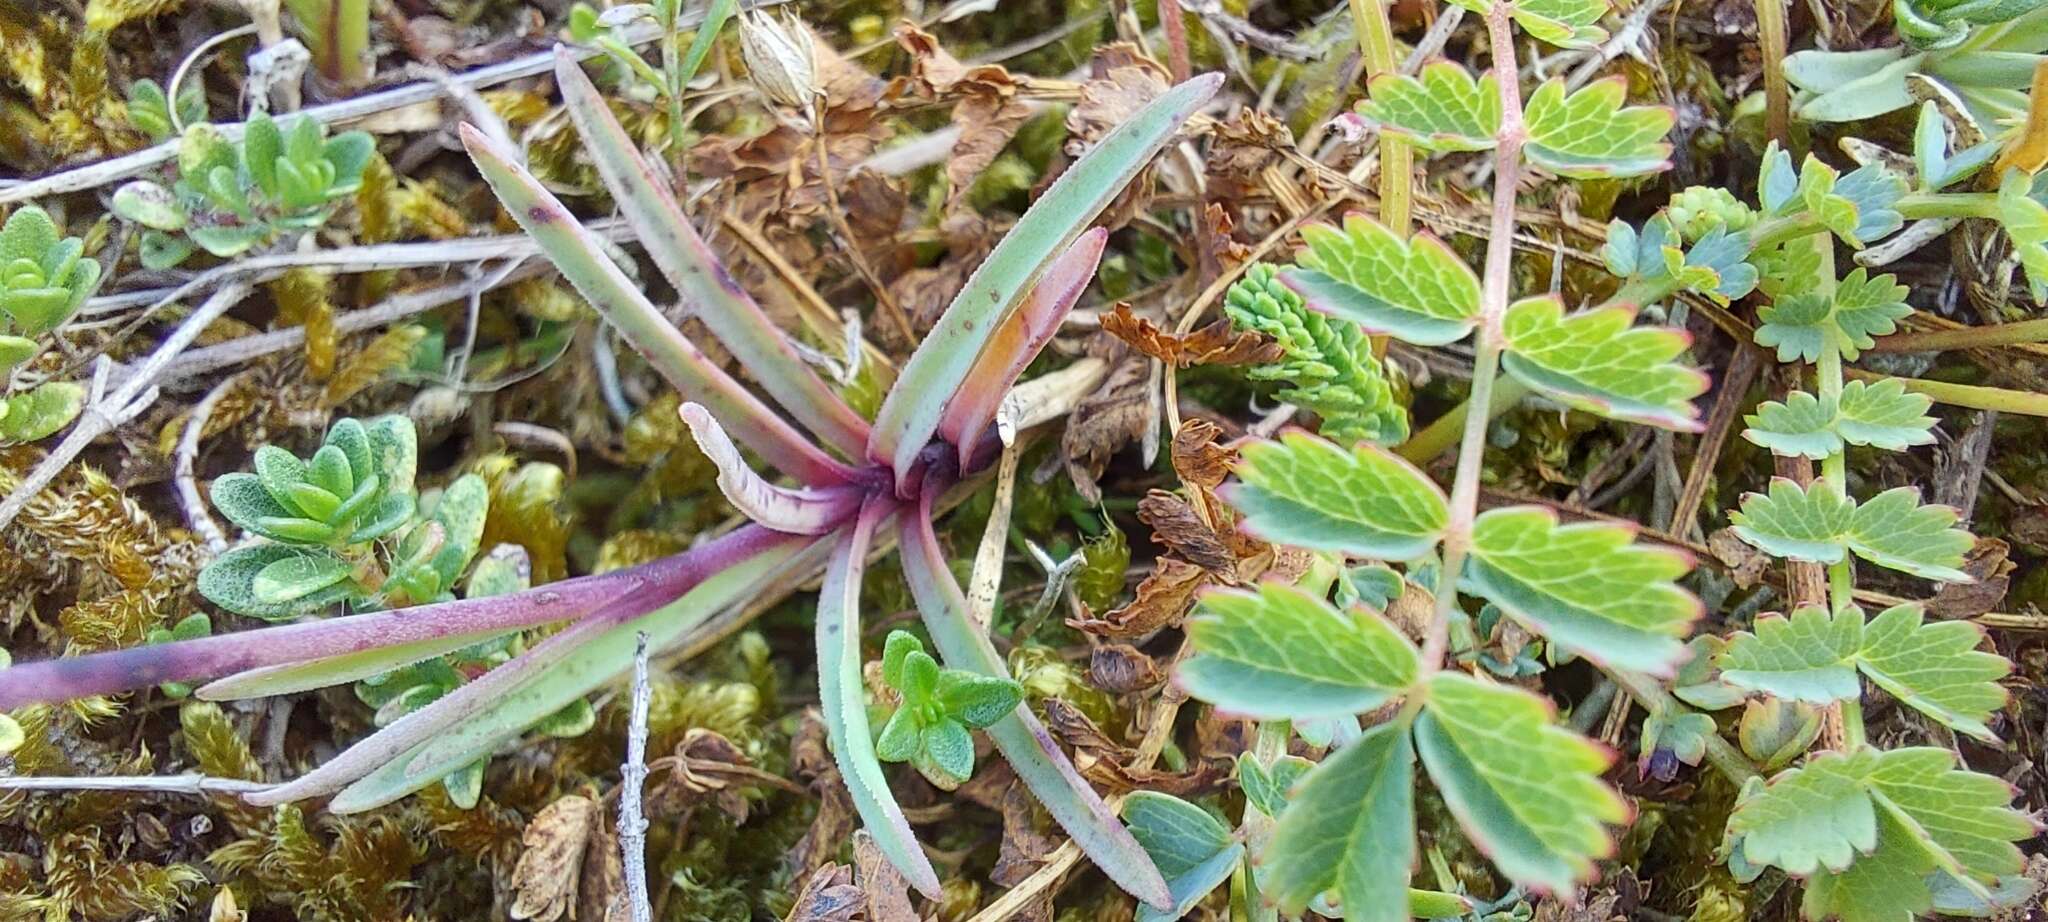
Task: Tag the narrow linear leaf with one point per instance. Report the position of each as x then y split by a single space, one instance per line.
1586 586
842 700
936 370
1526 790
1279 653
1414 289
1020 737
575 252
1306 491
797 512
1597 361
714 296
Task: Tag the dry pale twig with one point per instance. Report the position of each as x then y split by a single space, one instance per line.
633 825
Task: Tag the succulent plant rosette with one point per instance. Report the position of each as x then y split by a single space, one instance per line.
846 483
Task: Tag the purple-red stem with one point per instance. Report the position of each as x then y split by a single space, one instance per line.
135 668
1176 39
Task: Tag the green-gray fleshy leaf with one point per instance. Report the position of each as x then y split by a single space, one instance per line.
1192 848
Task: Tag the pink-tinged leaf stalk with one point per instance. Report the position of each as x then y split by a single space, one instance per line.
1023 740
576 252
798 512
711 292
1022 336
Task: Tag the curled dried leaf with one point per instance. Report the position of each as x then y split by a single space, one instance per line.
1215 344
544 883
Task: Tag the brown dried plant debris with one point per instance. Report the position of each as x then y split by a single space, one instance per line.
1214 344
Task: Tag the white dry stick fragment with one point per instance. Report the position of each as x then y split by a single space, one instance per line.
103 411
633 776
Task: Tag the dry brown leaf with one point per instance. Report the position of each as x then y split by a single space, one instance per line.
1176 528
987 108
1108 765
1197 458
603 897
1162 600
1122 83
1025 843
888 893
1745 563
828 896
545 880
1106 421
1987 564
1122 669
1215 344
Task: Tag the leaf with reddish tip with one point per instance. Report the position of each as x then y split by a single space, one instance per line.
713 295
583 262
941 363
841 697
1020 737
1018 341
797 512
472 721
63 678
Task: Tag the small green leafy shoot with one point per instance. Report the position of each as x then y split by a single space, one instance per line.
1327 362
231 197
44 280
938 707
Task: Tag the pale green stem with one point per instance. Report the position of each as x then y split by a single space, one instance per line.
1852 725
1267 748
1771 35
1500 247
1977 337
1968 396
1721 754
1397 158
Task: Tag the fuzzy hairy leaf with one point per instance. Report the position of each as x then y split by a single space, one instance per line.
1414 289
1306 491
1891 529
1591 134
1586 586
1526 790
1443 109
230 582
1597 361
39 413
1277 652
1349 828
